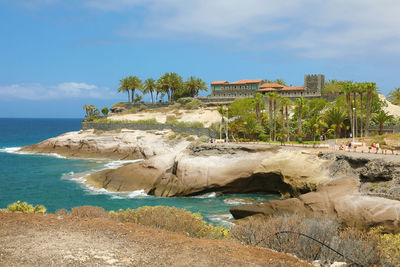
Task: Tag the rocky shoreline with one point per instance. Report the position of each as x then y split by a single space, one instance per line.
177 167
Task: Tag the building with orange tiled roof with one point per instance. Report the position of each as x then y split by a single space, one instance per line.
224 90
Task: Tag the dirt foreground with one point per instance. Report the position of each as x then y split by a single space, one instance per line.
51 240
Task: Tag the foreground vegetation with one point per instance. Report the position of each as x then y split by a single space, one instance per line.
293 233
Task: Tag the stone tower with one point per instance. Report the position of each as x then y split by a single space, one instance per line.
314 83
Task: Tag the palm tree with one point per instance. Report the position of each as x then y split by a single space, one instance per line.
175 84
191 86
361 88
272 108
258 98
348 89
134 83
394 96
149 87
370 88
381 117
335 117
300 104
200 86
285 103
124 86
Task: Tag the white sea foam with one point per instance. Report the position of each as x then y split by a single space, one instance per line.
137 193
17 150
222 219
119 163
235 202
207 195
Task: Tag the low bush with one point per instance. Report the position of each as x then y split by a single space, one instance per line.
388 245
172 136
25 208
172 219
263 137
184 100
286 233
193 105
142 107
187 123
88 212
170 118
133 110
184 134
175 106
204 139
190 138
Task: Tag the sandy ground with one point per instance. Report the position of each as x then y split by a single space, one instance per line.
205 115
49 240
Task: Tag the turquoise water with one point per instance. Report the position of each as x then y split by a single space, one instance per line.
57 182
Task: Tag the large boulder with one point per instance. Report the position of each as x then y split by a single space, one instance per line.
340 198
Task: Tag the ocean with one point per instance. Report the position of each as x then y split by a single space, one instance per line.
57 182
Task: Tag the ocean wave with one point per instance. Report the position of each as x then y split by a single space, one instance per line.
222 219
207 195
235 202
81 178
16 150
10 149
119 163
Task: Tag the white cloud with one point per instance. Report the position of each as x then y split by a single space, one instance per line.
36 91
310 28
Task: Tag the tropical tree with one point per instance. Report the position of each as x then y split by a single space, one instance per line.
175 84
394 96
258 99
200 86
124 87
272 105
105 111
361 89
370 88
163 85
335 118
333 87
190 87
134 83
299 102
278 81
286 103
150 87
380 118
348 89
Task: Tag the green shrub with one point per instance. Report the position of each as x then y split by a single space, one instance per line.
388 245
190 138
105 111
184 100
184 134
175 106
133 110
172 219
142 107
172 136
193 105
186 123
263 137
204 139
170 118
25 208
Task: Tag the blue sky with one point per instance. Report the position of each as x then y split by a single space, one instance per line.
57 55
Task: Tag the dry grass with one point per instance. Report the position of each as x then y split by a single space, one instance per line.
88 212
355 245
172 219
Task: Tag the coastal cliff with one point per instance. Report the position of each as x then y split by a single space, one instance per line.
176 167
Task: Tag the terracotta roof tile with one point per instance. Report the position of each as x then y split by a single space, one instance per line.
267 89
247 81
219 82
271 85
